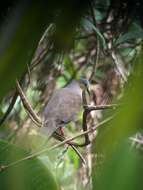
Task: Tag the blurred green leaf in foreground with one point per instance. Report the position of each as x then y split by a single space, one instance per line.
122 165
27 175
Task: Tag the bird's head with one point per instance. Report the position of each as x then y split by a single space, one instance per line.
84 85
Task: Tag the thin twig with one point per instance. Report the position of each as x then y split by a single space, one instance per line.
40 58
119 65
33 64
43 53
32 119
80 134
87 110
3 167
79 154
100 107
84 119
27 105
97 43
35 118
62 138
10 107
96 60
28 73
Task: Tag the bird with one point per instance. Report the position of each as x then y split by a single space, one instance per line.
63 106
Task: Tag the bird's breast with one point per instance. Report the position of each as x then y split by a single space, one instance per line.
64 106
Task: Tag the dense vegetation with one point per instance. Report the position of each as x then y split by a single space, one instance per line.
44 46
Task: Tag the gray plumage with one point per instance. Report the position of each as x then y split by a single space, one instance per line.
63 107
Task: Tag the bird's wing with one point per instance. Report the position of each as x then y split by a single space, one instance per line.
69 106
62 108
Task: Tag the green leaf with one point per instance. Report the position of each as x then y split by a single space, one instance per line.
90 26
30 174
128 118
135 32
122 170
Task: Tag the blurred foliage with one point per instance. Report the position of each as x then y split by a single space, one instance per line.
29 174
122 170
128 118
45 45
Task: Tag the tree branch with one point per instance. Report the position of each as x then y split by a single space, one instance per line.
4 167
27 105
100 107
